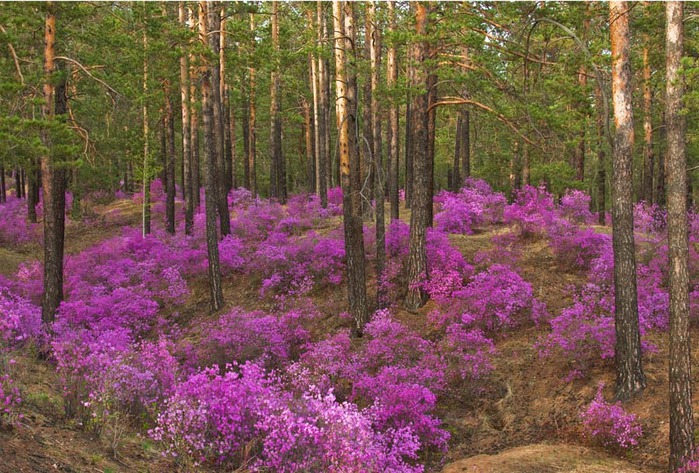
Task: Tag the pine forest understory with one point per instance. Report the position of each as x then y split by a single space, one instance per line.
349 236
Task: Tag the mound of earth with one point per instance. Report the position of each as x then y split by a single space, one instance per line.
542 459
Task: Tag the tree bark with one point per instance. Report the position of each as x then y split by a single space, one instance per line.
343 20
210 183
278 174
225 108
33 191
408 184
324 164
393 145
601 160
213 17
432 98
194 123
169 160
630 379
186 134
53 180
146 138
379 174
252 137
681 420
3 185
366 142
647 192
417 259
314 168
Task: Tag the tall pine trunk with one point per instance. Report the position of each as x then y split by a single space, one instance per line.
213 17
419 217
324 165
681 420
393 145
211 186
169 160
186 134
630 379
647 185
53 179
346 108
252 119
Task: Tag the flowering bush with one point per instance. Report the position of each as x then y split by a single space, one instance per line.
610 423
10 401
474 205
20 320
531 212
575 206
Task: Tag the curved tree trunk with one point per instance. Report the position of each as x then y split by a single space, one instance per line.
629 370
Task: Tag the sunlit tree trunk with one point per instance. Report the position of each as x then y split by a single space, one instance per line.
225 107
601 159
417 259
629 370
53 181
681 420
345 83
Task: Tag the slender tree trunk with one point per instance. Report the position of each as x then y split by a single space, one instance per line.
431 133
580 149
379 174
324 164
33 191
417 259
409 139
53 181
169 160
230 117
601 159
309 145
343 16
146 138
393 145
213 17
630 378
278 184
186 134
3 188
194 122
366 144
660 181
647 193
315 89
18 183
455 180
225 107
211 190
246 141
252 138
681 420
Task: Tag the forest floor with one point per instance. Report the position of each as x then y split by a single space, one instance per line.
524 420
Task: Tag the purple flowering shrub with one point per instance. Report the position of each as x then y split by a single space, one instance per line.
293 266
395 370
575 247
494 300
609 423
531 212
243 415
20 320
15 229
240 336
575 206
474 205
